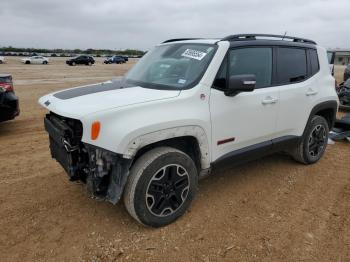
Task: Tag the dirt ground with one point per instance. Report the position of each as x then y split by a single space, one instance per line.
268 210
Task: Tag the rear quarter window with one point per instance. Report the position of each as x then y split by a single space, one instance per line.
315 66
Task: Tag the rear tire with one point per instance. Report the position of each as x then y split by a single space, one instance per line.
313 143
161 185
27 62
45 63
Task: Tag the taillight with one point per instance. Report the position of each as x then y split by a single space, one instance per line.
6 87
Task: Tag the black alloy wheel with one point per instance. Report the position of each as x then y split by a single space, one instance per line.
167 190
317 140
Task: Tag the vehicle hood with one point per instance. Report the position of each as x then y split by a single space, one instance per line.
84 100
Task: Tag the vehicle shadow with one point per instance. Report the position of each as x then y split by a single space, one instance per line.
223 179
6 127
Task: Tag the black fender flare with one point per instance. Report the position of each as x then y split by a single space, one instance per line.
331 104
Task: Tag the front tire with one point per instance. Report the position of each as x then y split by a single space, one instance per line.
27 62
314 141
161 185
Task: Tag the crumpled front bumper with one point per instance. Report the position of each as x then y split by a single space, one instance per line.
104 172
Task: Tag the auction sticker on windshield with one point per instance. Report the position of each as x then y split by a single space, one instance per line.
198 55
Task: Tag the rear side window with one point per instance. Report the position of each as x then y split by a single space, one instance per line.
315 67
291 65
253 60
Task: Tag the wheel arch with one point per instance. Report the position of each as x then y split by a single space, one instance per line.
190 139
327 109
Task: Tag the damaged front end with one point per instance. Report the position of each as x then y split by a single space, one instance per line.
104 172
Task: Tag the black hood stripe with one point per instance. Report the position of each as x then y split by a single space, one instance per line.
90 89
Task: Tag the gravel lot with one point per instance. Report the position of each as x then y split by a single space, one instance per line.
269 210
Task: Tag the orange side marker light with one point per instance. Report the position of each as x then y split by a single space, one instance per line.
95 130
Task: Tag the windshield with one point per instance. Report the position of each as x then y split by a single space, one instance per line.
174 66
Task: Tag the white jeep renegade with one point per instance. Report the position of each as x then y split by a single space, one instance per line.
185 107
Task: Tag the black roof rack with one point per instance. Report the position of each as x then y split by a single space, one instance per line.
179 39
245 37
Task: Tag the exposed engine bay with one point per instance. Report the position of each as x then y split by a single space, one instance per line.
104 172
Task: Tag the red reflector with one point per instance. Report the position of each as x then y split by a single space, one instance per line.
220 142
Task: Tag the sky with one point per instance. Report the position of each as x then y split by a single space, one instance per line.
140 24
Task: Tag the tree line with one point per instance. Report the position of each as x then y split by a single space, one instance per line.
89 51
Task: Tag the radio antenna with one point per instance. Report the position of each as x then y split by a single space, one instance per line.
285 33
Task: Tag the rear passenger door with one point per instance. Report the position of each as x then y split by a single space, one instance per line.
248 118
297 78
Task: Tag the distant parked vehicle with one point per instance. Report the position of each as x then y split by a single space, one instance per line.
2 59
9 107
115 60
35 60
347 73
125 58
81 60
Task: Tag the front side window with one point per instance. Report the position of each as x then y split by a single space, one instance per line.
220 82
291 65
175 66
255 60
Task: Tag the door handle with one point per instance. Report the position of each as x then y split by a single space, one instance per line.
311 92
269 100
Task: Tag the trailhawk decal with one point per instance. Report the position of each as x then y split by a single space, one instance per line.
198 55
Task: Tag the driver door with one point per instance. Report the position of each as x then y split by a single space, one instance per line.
80 60
39 59
247 120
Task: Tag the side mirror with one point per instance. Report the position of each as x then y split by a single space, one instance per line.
240 83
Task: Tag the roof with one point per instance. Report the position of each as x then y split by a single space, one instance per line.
191 40
5 75
251 39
